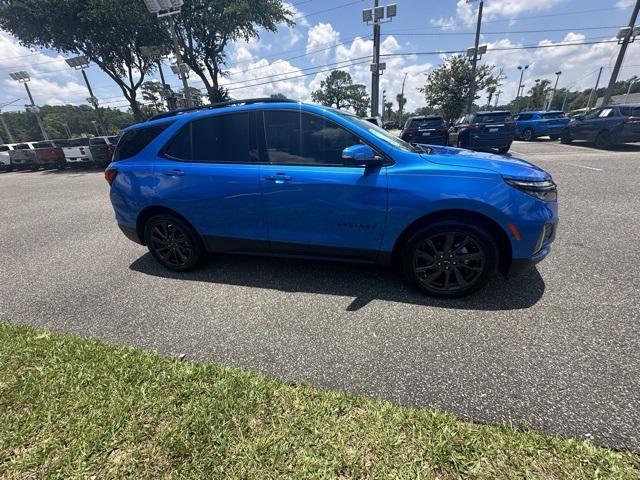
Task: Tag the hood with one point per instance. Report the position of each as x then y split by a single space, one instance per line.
504 165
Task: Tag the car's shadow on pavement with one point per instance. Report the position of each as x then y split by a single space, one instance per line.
364 283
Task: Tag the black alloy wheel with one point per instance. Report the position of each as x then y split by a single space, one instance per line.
565 137
603 140
527 135
173 243
450 259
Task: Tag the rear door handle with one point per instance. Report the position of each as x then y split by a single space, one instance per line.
174 173
279 178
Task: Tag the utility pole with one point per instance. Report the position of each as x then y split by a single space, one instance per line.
4 123
522 70
625 36
555 87
25 78
595 90
402 102
564 102
497 98
626 97
376 16
169 8
474 60
384 100
81 63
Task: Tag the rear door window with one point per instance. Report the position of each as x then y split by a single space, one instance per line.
553 115
134 141
523 117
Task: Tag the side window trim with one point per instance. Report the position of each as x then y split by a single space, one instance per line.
364 141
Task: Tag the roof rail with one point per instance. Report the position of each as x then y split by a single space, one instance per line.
246 101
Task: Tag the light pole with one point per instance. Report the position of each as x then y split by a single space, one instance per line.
155 53
625 36
595 90
474 60
81 63
553 93
376 16
631 82
522 70
384 100
564 102
23 77
497 98
169 8
402 99
4 123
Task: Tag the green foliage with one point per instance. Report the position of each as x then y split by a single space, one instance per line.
24 128
206 27
278 95
109 32
447 87
338 90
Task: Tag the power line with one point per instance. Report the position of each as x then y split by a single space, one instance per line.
576 30
327 9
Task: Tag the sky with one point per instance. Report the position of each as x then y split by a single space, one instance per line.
330 34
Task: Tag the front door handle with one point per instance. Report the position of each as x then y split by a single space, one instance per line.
279 178
174 173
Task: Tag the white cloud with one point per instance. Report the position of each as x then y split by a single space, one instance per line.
624 3
254 73
466 13
52 81
319 36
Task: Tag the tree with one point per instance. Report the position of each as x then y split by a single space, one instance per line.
388 108
447 87
206 27
538 93
151 93
493 83
400 98
278 95
109 32
339 90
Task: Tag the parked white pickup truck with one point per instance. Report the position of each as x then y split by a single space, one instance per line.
76 151
5 159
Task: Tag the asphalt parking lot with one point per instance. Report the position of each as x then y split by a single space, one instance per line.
557 348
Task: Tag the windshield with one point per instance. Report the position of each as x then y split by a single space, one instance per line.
380 133
426 122
498 117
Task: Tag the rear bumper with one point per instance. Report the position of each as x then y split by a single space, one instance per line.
131 233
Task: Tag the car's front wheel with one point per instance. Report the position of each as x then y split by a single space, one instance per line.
173 243
450 259
527 135
565 137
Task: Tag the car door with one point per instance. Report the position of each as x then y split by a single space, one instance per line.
209 173
583 127
315 204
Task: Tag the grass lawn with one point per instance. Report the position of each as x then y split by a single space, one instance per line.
73 408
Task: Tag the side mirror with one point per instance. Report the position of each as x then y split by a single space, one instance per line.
361 155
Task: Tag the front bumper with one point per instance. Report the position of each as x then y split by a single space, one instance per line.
522 265
131 233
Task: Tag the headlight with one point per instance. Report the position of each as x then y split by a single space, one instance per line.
544 190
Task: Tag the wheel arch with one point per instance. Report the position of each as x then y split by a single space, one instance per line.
497 232
149 211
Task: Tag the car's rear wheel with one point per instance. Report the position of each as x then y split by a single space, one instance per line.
461 143
450 259
173 243
603 140
528 135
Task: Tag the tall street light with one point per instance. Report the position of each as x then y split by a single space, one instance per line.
474 60
23 77
169 8
376 16
81 63
522 70
154 53
402 101
553 93
4 123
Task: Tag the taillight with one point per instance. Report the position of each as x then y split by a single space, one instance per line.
110 175
474 126
410 132
631 120
443 129
82 150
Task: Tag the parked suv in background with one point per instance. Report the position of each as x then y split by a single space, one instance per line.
429 130
102 149
531 125
484 131
605 126
279 177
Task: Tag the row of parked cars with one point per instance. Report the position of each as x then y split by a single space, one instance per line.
604 126
60 154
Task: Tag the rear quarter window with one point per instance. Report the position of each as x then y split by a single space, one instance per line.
134 141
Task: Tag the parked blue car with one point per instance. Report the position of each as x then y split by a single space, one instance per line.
531 125
605 126
279 177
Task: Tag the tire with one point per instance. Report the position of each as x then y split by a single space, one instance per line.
528 135
437 269
503 150
603 140
173 243
462 144
565 137
554 137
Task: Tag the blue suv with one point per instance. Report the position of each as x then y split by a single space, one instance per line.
531 125
279 177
